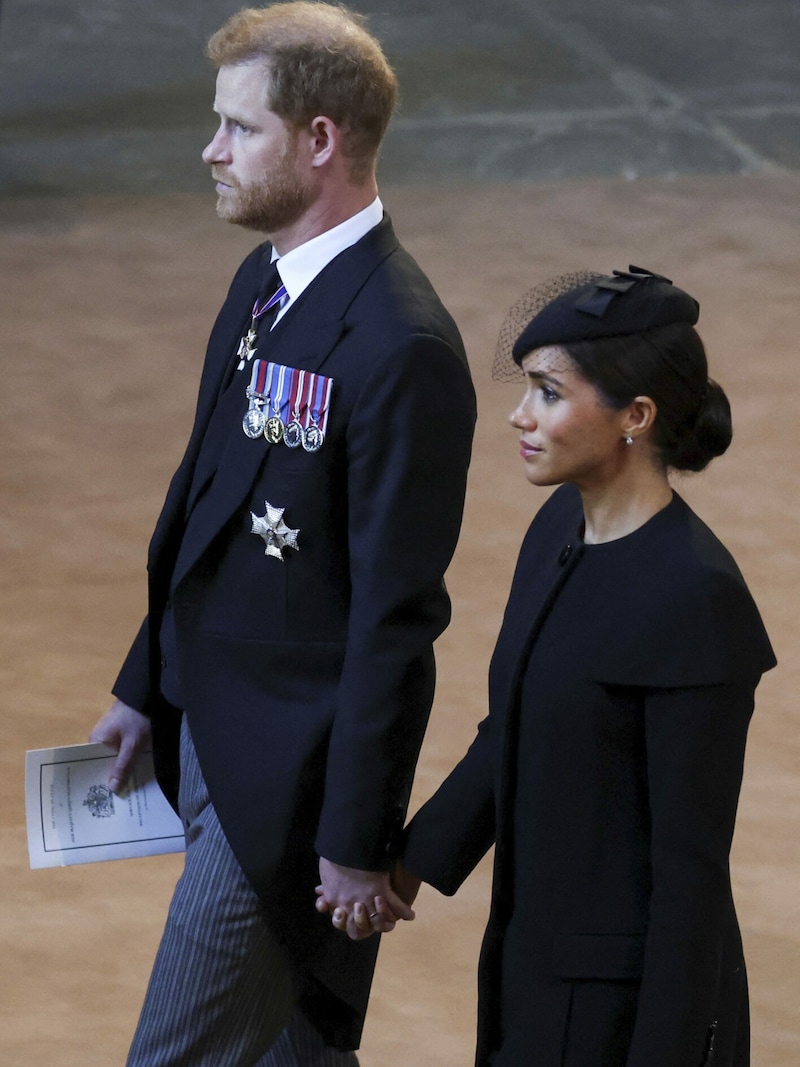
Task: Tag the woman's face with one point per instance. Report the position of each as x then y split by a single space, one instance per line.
568 434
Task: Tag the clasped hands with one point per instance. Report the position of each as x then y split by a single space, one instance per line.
362 903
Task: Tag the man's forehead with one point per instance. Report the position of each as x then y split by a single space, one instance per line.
242 84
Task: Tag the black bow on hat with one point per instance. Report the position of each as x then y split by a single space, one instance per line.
624 303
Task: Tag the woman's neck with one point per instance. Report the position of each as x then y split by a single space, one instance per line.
614 511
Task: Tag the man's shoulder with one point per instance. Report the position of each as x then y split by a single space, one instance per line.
397 293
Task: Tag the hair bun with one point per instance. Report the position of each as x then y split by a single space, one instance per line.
709 435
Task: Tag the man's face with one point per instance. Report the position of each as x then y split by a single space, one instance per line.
255 159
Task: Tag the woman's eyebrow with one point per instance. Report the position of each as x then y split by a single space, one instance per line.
543 376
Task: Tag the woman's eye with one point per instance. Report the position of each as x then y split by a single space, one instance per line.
549 395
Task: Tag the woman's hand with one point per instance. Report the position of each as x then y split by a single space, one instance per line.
378 917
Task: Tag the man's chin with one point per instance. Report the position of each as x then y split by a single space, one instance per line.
228 211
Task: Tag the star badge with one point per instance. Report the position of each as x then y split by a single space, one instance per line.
274 530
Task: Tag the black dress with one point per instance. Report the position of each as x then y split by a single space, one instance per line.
608 773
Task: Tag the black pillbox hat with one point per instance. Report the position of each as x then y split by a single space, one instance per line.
625 303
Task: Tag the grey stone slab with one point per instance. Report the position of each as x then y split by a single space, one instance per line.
457 58
115 95
713 51
57 53
630 146
775 135
143 161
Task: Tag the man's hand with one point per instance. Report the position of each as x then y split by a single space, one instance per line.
362 902
404 883
127 731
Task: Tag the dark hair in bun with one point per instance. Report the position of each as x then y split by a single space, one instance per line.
667 363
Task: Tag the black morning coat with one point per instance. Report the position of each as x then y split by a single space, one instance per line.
608 773
307 682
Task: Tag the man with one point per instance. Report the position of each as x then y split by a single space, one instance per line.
285 668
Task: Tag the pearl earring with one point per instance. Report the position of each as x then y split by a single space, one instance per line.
628 440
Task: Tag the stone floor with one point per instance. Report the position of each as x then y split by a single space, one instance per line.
534 138
107 96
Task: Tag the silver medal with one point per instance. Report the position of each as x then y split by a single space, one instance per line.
293 434
272 529
253 422
313 438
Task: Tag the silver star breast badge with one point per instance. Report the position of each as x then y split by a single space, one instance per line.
277 535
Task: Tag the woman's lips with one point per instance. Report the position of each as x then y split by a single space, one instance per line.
526 449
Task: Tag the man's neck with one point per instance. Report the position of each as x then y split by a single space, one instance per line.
326 213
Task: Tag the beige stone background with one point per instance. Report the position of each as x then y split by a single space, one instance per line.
106 303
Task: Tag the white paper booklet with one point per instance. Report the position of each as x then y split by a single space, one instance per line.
73 817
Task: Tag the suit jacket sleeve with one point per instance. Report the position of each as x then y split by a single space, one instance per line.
132 686
408 443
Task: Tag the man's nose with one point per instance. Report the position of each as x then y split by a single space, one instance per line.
216 151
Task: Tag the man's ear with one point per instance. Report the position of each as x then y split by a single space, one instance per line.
323 139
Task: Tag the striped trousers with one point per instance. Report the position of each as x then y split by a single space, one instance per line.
222 993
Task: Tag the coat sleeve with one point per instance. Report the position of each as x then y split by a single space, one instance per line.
132 686
452 832
408 448
695 742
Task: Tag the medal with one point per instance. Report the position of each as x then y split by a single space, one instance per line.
253 422
247 348
247 345
313 438
274 427
257 392
320 398
274 531
287 406
293 434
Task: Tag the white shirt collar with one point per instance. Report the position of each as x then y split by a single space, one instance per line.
299 268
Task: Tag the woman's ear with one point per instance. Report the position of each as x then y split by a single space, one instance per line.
640 415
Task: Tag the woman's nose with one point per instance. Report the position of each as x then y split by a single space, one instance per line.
522 418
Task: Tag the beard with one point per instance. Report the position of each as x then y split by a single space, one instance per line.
272 204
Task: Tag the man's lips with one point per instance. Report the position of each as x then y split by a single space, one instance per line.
222 181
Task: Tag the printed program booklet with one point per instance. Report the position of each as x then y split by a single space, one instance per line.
73 817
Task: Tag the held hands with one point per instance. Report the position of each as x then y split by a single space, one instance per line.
127 731
362 903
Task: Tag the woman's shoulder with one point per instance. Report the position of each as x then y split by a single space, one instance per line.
689 616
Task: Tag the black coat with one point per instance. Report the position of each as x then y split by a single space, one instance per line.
308 682
608 773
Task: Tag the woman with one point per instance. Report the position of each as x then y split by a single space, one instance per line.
608 770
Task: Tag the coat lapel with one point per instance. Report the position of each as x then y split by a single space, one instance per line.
549 554
303 338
